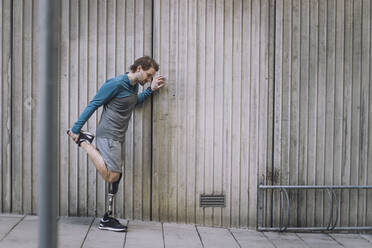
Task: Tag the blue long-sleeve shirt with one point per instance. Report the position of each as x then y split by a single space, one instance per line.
114 88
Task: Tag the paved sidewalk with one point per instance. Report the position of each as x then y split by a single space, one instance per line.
21 231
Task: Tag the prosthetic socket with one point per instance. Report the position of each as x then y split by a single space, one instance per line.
112 190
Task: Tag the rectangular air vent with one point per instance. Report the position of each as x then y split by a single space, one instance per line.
212 201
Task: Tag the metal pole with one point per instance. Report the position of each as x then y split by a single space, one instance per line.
47 122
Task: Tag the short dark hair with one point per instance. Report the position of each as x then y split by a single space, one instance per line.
146 62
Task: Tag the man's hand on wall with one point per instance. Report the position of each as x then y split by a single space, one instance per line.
157 83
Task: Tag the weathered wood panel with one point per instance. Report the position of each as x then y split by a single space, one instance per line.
322 104
211 121
5 105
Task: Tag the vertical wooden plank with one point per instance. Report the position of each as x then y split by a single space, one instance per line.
270 114
147 115
2 53
200 109
264 153
330 102
111 39
345 203
278 102
27 103
218 187
209 97
92 90
244 172
74 103
6 121
101 79
236 113
285 167
312 110
65 120
339 93
191 197
155 145
254 114
34 97
366 71
294 103
17 107
138 116
227 110
147 122
355 108
369 179
182 101
364 108
295 107
83 102
170 25
321 109
304 108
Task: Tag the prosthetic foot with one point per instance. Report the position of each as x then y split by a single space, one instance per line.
108 222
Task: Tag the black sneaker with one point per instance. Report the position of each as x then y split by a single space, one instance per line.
84 137
111 224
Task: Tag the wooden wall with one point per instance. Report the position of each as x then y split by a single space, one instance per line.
276 92
210 125
322 130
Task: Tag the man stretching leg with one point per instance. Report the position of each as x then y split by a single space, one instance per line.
119 96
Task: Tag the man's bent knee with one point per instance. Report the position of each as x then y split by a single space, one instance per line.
113 176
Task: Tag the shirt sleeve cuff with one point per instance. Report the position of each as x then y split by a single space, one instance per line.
149 89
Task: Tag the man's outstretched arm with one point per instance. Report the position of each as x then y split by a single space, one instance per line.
108 91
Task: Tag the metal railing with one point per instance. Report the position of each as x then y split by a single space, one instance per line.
285 207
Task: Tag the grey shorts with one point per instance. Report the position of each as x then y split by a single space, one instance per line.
111 152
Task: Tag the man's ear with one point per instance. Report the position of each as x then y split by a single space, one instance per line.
139 68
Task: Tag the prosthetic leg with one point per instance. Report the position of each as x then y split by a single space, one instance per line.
108 222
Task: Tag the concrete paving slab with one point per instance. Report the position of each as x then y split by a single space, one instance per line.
84 232
7 223
319 240
97 238
217 237
351 240
144 235
181 236
285 240
251 238
367 237
24 235
73 230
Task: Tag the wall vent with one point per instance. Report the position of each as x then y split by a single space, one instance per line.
212 201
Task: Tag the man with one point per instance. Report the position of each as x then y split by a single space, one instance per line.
119 97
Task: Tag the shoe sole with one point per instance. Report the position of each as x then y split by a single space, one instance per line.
113 229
